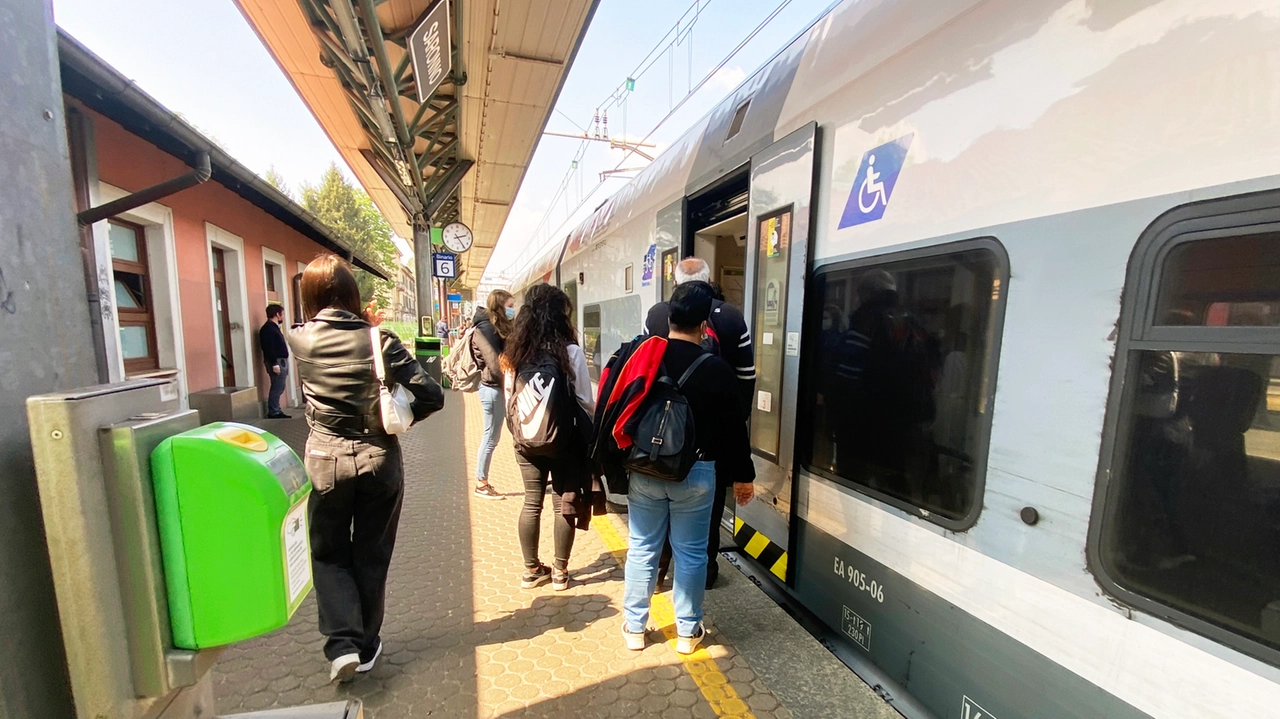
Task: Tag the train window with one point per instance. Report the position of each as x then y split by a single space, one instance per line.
900 383
1222 282
591 340
1192 515
739 115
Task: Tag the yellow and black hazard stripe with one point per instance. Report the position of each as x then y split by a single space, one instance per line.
761 548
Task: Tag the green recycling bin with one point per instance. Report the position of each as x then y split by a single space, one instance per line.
231 505
428 351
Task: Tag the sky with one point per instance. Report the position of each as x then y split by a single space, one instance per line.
200 58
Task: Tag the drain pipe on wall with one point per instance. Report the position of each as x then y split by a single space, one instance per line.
201 173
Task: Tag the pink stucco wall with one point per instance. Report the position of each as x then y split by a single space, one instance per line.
131 163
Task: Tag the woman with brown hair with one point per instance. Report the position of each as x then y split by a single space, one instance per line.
356 469
544 336
493 324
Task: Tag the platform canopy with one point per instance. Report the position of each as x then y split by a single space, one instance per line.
460 152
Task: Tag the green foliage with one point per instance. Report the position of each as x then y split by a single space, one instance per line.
406 331
348 210
276 180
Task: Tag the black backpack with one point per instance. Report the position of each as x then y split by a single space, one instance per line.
538 410
665 439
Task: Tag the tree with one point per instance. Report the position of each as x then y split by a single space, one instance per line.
276 180
348 210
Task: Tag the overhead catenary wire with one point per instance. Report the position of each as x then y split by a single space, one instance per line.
535 248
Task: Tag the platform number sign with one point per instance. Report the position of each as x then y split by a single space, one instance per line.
445 265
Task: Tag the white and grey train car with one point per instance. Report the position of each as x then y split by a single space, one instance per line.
1012 270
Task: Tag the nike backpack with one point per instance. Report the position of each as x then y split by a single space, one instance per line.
538 409
665 441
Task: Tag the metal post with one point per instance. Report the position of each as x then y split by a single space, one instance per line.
47 345
422 268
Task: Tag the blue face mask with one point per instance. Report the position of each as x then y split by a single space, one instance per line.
511 313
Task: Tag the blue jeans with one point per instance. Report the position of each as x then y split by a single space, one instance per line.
495 412
684 509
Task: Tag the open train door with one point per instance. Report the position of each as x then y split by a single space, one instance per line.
779 230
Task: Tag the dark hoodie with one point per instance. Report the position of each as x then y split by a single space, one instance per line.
486 348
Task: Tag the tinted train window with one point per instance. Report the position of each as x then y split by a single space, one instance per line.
1193 513
902 378
1222 282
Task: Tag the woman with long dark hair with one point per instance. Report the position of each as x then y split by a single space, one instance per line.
544 333
357 473
493 324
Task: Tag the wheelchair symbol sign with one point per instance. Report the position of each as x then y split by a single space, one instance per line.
872 188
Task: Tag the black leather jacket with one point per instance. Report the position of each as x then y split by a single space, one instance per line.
335 363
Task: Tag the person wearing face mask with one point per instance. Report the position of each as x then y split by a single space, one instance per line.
493 324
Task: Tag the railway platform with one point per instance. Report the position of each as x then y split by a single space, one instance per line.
462 639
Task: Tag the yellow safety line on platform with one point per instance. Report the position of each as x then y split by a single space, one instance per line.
713 684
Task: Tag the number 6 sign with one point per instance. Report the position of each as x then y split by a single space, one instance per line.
446 265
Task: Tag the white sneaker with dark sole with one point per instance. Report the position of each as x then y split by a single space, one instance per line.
343 669
635 640
368 666
687 645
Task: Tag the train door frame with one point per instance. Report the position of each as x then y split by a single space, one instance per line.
777 164
714 203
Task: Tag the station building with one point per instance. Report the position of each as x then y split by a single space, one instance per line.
183 280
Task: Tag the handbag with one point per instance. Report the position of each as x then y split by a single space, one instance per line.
396 402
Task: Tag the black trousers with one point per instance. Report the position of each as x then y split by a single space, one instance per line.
713 538
358 489
537 473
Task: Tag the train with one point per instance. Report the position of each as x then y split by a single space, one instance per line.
1012 273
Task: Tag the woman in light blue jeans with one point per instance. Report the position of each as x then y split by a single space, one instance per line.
492 325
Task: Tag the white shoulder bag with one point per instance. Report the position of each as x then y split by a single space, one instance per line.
397 403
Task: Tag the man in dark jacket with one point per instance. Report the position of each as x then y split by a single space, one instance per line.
731 339
732 343
275 355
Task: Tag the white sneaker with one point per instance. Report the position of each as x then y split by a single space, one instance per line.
343 669
687 645
368 666
635 640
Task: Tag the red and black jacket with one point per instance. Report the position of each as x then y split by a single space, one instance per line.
624 383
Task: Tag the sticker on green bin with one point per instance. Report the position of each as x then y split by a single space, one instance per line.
231 504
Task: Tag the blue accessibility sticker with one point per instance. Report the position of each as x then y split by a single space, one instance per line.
873 186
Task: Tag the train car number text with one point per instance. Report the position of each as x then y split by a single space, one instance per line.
859 580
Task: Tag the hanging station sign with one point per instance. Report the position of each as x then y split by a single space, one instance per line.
431 51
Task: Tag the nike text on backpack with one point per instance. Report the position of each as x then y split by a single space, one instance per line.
665 439
538 411
460 366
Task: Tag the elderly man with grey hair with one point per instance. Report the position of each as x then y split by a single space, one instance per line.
730 339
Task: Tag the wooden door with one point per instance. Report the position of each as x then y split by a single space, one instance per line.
222 317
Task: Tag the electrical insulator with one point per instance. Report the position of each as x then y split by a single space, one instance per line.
606 124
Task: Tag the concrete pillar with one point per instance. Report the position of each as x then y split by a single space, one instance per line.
46 345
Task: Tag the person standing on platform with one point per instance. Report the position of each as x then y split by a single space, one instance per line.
275 355
728 338
356 469
658 509
549 409
493 324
